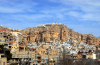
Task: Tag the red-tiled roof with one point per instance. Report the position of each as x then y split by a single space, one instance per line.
11 42
2 30
89 53
83 53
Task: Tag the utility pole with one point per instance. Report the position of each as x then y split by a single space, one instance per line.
64 55
48 56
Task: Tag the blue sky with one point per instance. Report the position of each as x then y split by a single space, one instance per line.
82 16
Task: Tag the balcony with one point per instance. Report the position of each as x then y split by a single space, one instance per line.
10 43
5 44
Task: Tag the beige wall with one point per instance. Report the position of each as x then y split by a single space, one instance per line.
14 47
2 40
24 54
3 61
89 56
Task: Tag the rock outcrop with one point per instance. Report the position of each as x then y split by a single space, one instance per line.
98 38
56 32
9 29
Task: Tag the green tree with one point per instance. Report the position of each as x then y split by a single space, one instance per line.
90 51
8 54
80 52
1 48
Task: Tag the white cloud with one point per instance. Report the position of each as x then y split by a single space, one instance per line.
10 10
74 14
26 17
82 9
72 11
9 6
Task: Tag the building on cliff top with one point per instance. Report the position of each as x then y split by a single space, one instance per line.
48 24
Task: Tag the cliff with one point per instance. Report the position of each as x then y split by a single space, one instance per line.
9 29
98 38
56 32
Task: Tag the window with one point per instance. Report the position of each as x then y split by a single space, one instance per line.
9 46
3 63
5 44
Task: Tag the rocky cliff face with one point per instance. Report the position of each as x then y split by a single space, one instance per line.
9 29
98 38
56 32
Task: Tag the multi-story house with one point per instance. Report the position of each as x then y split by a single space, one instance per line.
13 47
3 60
2 41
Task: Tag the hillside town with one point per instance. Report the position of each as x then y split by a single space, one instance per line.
23 47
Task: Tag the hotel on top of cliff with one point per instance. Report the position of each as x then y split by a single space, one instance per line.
43 25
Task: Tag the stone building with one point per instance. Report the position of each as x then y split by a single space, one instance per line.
3 60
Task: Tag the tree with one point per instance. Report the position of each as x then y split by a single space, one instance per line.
1 48
80 52
89 51
8 54
65 60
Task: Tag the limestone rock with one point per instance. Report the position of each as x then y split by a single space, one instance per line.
54 32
